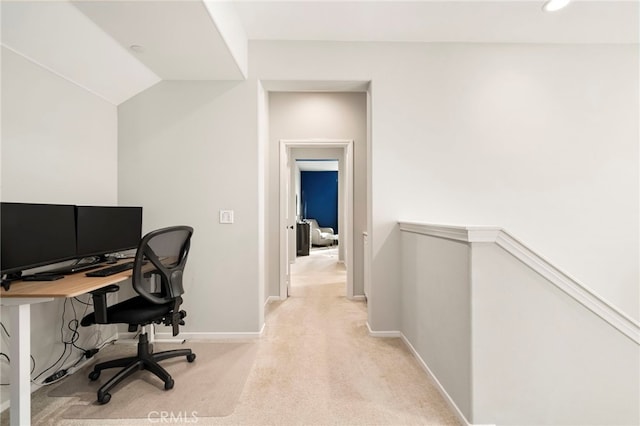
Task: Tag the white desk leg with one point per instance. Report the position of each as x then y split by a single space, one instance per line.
20 411
20 353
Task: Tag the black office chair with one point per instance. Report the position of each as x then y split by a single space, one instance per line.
162 253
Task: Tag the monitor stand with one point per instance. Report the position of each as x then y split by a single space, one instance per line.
42 276
6 281
79 267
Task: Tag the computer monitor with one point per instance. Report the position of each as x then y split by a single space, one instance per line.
104 230
35 235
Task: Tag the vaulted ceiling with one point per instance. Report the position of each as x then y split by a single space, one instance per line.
117 49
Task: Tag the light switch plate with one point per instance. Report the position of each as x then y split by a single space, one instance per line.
226 216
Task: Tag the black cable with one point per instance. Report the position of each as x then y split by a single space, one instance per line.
73 326
84 303
78 361
86 308
6 332
52 365
65 343
75 335
33 365
33 360
5 329
62 339
9 361
105 343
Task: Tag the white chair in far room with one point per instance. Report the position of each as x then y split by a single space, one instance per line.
321 236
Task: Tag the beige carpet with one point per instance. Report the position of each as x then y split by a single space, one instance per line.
210 386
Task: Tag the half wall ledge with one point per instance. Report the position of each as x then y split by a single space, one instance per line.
492 234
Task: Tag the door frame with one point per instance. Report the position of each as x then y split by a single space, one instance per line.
346 221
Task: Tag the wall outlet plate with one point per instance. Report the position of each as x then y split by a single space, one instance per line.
226 216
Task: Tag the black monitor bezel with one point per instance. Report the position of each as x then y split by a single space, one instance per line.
103 252
52 261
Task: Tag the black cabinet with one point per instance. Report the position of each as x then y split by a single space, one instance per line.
303 239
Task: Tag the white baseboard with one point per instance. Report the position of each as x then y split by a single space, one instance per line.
425 367
271 299
127 338
461 417
359 298
383 333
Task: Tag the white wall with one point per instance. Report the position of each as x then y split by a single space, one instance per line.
58 140
542 140
540 357
460 133
186 151
507 345
317 115
59 145
199 142
436 310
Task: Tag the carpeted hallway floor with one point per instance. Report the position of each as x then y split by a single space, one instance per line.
315 365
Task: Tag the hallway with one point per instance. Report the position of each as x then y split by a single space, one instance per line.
317 364
320 267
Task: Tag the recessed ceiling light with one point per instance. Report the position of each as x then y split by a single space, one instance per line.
553 5
136 48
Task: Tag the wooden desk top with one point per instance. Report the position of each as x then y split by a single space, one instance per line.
70 286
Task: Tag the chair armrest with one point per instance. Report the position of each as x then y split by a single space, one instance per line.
327 230
100 302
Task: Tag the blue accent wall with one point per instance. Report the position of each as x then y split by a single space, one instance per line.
320 197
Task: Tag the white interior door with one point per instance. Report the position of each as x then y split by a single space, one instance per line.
292 217
287 223
291 221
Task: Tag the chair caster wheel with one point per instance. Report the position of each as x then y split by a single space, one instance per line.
191 357
106 397
94 376
168 384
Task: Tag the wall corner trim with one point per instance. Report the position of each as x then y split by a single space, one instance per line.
579 292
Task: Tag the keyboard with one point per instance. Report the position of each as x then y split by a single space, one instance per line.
111 270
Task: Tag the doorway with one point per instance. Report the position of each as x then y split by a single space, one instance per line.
290 150
324 112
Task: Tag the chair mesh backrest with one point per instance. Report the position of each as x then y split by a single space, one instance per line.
162 252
